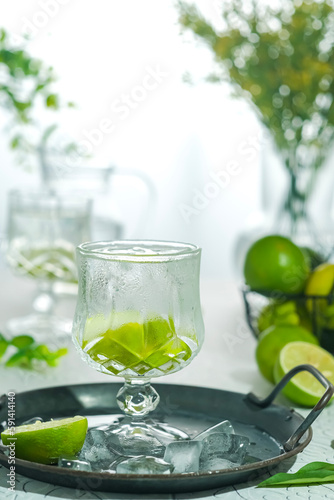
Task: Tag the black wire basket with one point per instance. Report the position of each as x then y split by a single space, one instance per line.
313 312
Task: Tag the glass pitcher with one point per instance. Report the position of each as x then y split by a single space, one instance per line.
61 174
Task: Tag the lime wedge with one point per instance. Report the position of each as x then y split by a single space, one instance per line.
175 351
45 442
99 324
304 389
137 346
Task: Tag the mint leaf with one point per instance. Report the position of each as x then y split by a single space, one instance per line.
22 341
43 353
29 354
312 473
20 358
3 345
52 358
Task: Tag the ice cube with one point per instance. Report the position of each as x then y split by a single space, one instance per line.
32 421
144 465
101 438
216 463
225 426
184 455
113 466
99 457
219 448
96 436
133 447
139 442
73 463
135 444
100 449
107 439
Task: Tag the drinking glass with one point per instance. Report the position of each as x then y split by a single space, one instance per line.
138 316
42 234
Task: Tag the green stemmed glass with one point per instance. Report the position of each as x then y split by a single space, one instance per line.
138 317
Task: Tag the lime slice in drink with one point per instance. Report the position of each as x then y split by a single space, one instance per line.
158 332
45 442
173 352
143 346
99 324
272 340
304 389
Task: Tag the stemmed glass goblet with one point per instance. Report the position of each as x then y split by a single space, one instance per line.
42 233
138 316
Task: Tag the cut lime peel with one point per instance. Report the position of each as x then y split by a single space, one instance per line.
50 424
304 389
150 344
47 441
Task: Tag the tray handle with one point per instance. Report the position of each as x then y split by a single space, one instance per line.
314 413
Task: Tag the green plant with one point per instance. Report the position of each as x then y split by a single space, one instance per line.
23 351
26 84
312 473
282 60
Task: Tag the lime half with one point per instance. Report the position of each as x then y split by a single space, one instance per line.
304 389
272 340
45 442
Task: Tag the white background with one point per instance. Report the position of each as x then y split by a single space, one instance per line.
179 135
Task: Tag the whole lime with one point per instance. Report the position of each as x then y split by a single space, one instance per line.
272 340
320 283
278 313
275 264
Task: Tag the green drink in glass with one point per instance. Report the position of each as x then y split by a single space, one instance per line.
138 316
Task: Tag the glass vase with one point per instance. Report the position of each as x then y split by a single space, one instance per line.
296 202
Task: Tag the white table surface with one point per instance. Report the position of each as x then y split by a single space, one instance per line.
226 361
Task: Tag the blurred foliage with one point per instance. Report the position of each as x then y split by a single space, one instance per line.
26 85
282 60
25 353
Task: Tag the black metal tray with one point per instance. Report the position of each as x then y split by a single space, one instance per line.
276 432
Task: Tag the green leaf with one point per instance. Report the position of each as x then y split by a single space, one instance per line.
53 358
22 341
29 355
41 351
15 142
3 347
312 473
3 338
19 358
52 101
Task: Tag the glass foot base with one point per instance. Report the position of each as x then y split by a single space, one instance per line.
43 328
143 437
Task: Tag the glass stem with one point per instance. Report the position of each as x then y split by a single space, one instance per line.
44 300
137 398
